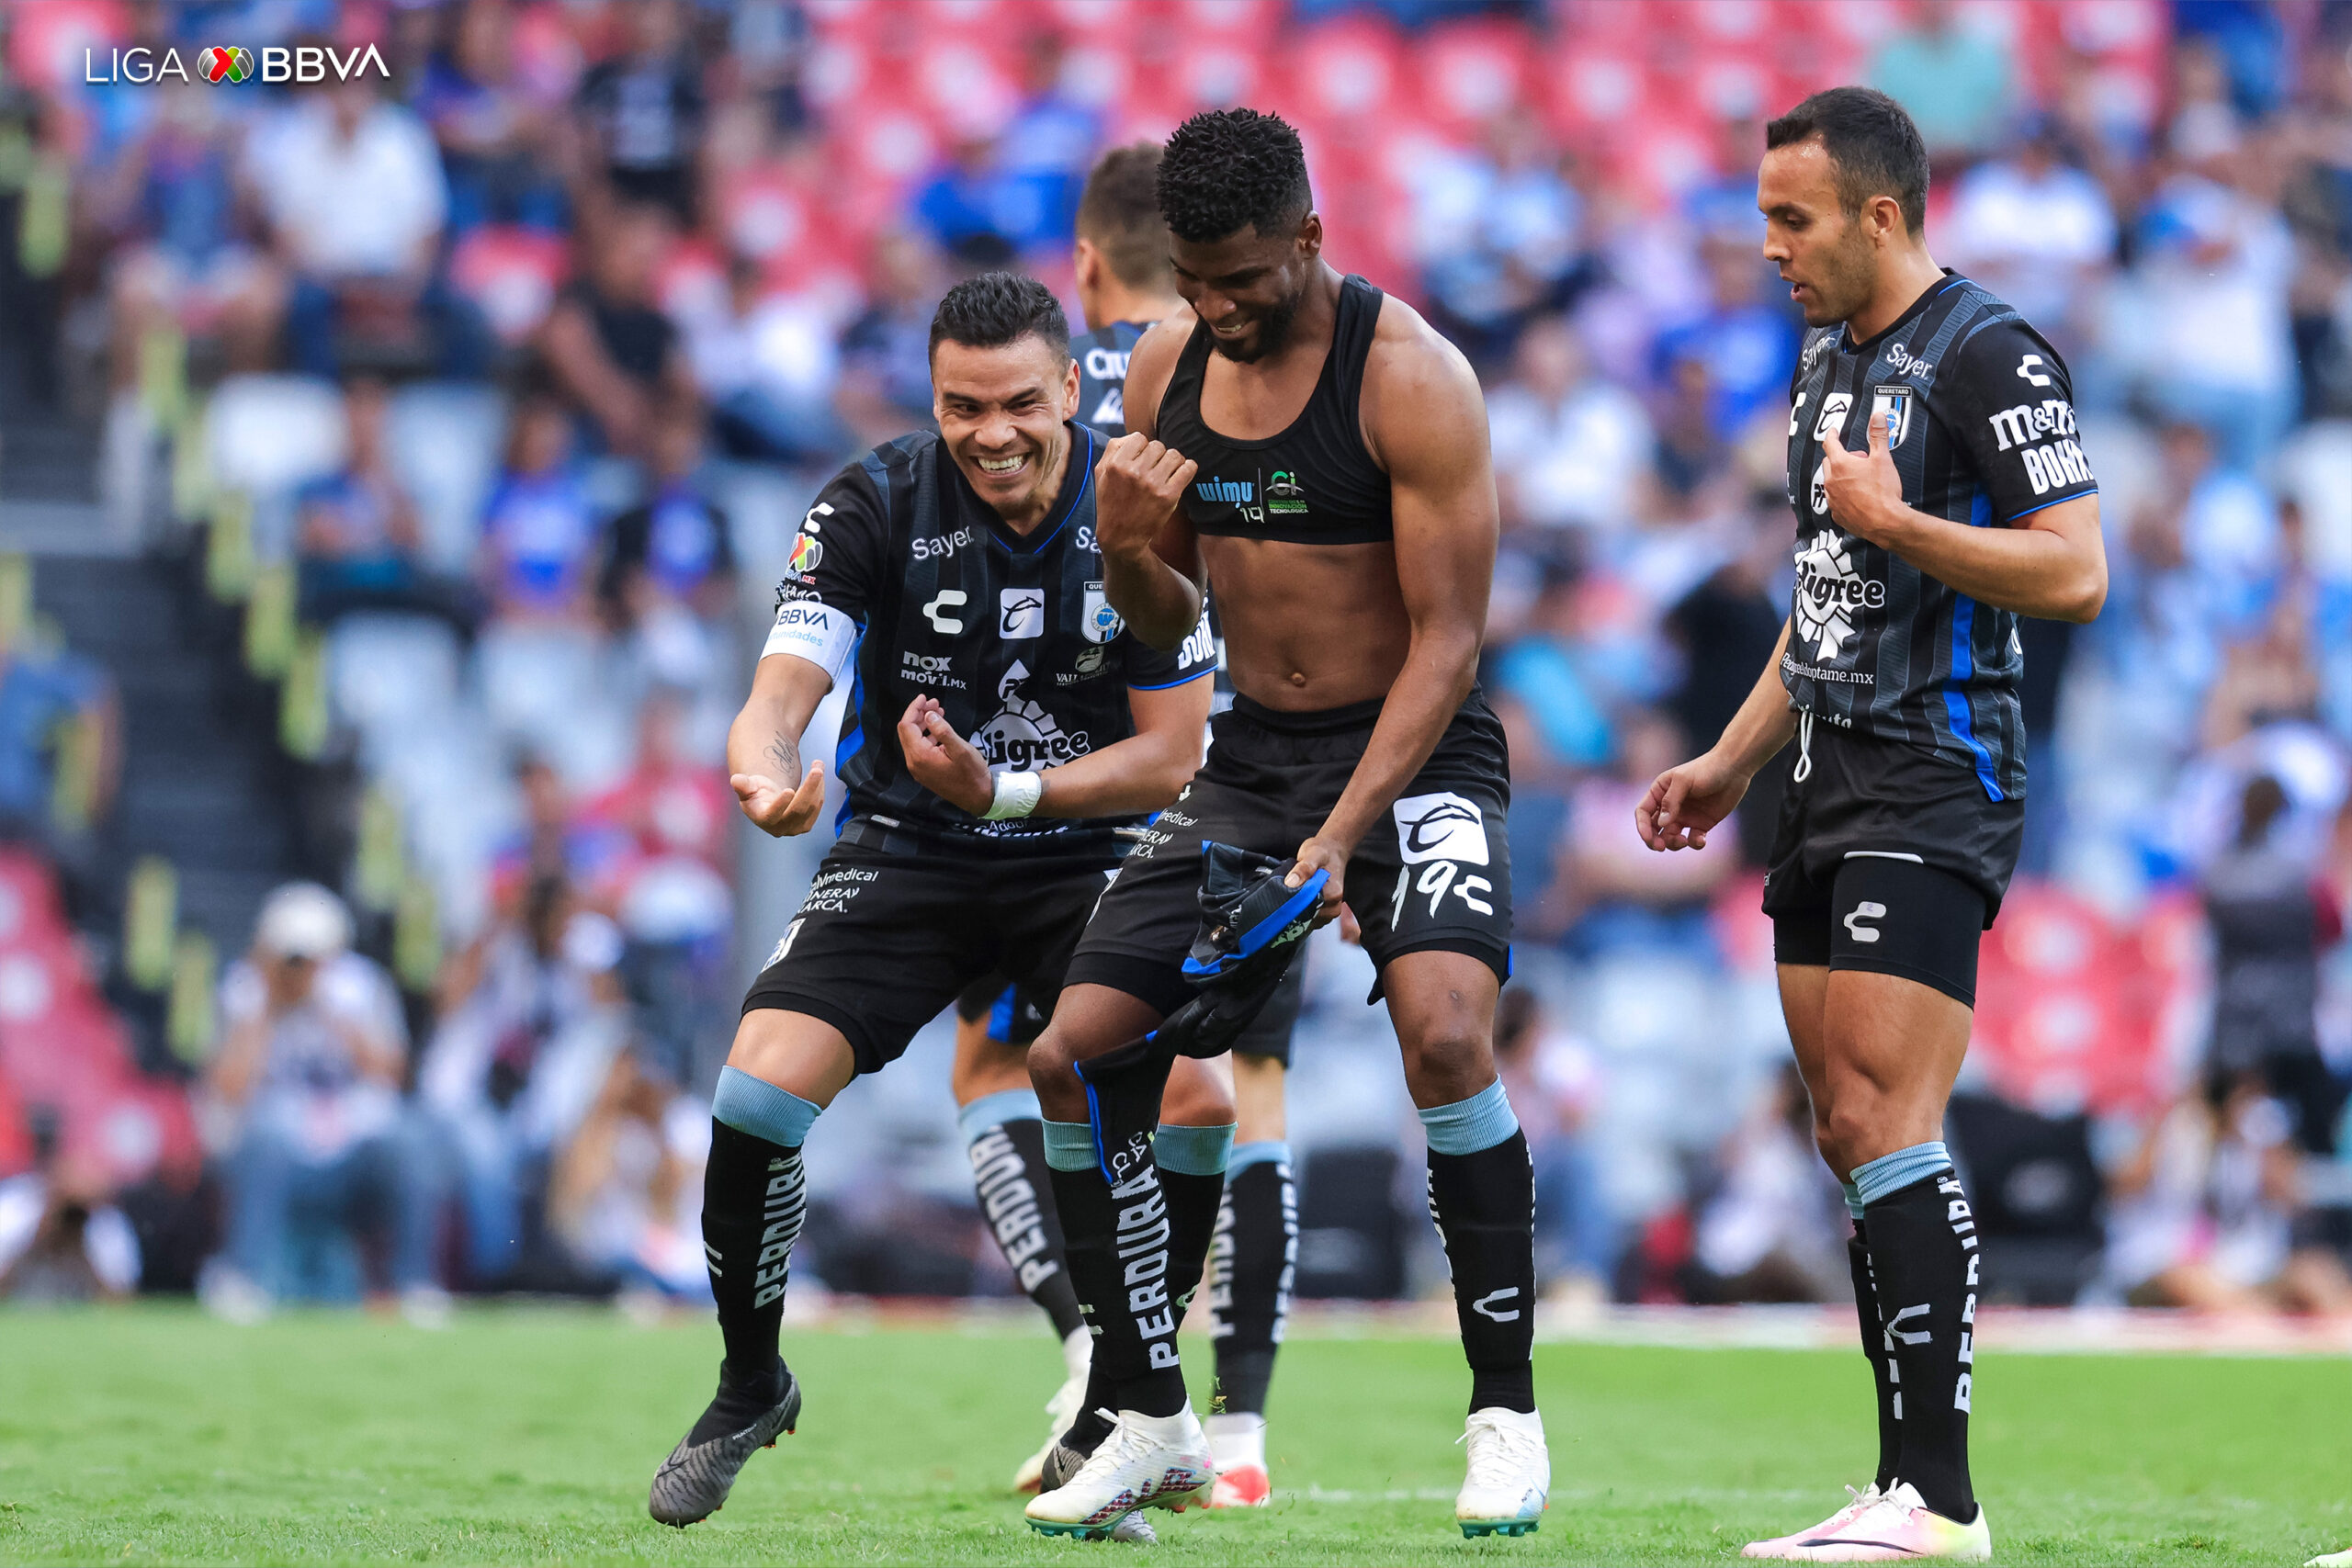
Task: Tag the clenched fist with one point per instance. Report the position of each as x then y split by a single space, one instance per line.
1138 486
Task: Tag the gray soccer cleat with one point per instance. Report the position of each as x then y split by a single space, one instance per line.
693 1482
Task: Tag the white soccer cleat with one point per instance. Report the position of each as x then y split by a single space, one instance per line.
1136 1530
1896 1526
1510 1473
1856 1503
1155 1461
1078 1354
1238 1443
2332 1560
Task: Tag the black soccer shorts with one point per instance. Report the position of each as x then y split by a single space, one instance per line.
1015 1015
1888 858
883 942
1434 873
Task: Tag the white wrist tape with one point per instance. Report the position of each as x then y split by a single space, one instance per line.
1016 796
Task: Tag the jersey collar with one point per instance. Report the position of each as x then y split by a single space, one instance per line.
1911 313
1078 477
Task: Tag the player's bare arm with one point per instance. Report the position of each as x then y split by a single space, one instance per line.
1685 803
764 745
1425 423
1142 772
2053 567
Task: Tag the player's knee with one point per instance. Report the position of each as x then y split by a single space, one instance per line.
1196 1098
1448 1064
1053 1073
1853 1123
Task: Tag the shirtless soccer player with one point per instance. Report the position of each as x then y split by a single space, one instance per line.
1940 494
1006 734
1313 452
1124 286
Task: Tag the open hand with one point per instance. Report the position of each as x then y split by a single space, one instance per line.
780 810
943 761
1684 803
1865 492
1138 486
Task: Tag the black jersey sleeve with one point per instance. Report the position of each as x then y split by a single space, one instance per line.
1149 669
834 574
2009 403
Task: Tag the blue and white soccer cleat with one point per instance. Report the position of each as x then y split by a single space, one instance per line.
1510 1473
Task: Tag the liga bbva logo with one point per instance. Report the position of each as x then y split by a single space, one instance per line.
231 64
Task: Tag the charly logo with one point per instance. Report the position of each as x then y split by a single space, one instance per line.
232 63
1831 595
1024 734
1284 493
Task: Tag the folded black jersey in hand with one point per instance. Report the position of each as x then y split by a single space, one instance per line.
1252 929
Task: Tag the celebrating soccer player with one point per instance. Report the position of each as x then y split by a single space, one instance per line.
1940 494
1124 286
1315 452
959 574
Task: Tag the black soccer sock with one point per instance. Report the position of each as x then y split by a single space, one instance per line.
754 1196
1875 1351
1484 1205
1015 1193
1925 1259
1116 1240
1252 1264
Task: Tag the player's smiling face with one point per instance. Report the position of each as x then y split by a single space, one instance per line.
1248 287
1825 253
1000 411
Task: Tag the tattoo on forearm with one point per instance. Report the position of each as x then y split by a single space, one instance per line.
786 756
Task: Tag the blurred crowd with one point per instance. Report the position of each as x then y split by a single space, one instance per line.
524 358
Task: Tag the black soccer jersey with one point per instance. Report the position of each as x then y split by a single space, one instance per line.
1102 374
1013 636
1981 425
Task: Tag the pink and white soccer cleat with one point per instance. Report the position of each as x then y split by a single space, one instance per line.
1856 1503
1894 1526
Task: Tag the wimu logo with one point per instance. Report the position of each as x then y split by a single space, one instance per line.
1241 492
228 64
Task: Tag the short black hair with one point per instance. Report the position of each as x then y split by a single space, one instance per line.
998 308
1873 143
1233 169
1119 213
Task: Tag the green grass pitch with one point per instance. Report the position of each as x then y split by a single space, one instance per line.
155 1434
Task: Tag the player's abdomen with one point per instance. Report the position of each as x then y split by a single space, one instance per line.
1332 614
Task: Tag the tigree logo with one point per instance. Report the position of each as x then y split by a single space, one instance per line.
232 63
1024 734
1831 595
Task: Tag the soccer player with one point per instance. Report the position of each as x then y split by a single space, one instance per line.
1316 454
1124 286
1939 493
957 575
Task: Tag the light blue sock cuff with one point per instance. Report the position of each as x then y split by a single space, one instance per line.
1892 1173
1853 1199
1193 1151
996 1109
1273 1151
1069 1145
1468 1125
756 1106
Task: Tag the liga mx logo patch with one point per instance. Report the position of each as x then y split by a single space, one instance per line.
1893 404
232 65
1444 825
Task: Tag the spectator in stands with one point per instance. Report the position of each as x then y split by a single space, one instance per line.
674 550
2204 1214
1954 79
1743 343
1554 697
539 531
356 540
531 1018
885 353
306 1084
1555 1087
1613 898
1773 1229
497 145
1050 142
1571 448
1724 628
62 1237
627 1191
61 744
2035 228
644 113
357 204
768 364
612 349
2271 920
1501 231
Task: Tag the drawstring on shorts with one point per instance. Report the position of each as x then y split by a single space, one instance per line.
1804 769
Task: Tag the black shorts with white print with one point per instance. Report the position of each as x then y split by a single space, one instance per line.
1433 875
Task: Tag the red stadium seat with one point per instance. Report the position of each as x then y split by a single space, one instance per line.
1593 88
1472 71
1350 70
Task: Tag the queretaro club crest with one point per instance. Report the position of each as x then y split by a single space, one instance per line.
1893 404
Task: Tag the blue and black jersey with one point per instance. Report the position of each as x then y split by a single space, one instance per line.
1981 424
899 560
1102 374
